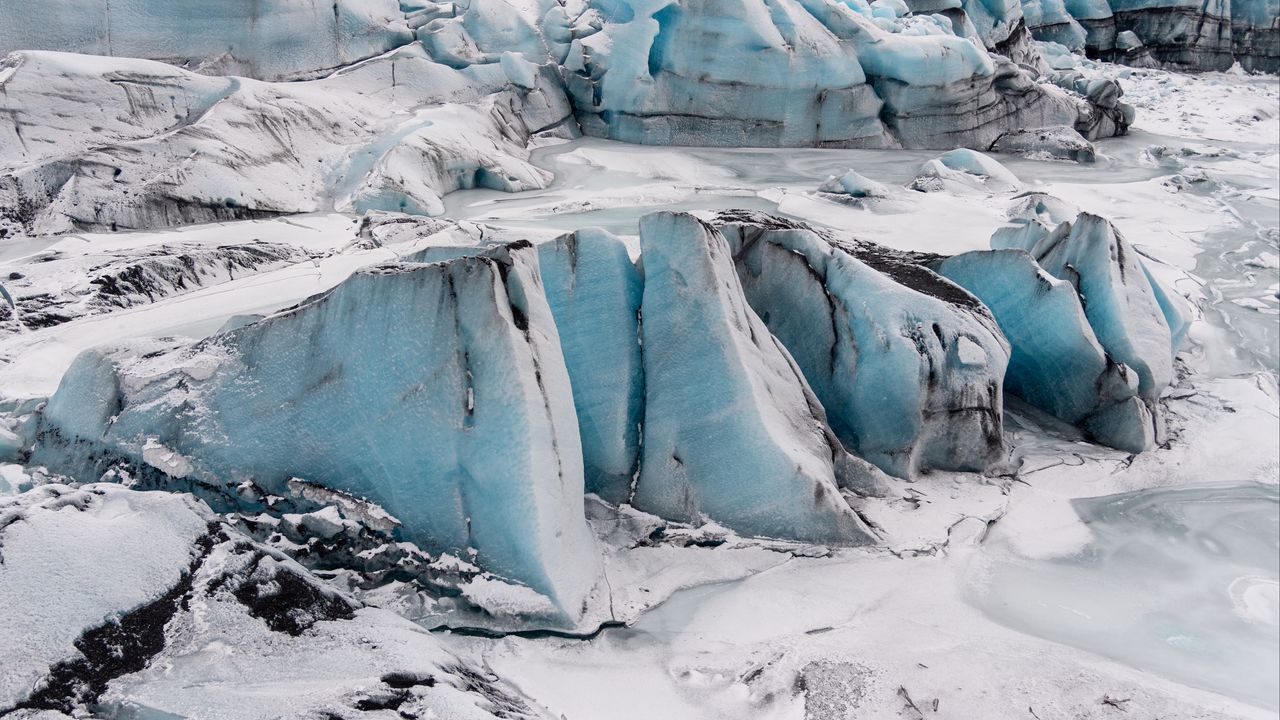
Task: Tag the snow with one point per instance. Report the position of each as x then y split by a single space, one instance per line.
52 539
722 625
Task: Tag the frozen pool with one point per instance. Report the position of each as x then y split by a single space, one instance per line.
1181 582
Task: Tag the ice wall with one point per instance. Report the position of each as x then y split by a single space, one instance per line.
732 431
908 366
1179 34
435 390
265 39
594 292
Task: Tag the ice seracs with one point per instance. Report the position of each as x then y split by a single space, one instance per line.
594 292
964 171
1093 333
732 431
436 390
908 366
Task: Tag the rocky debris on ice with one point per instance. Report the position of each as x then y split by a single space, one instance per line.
732 431
908 366
467 390
1060 143
117 143
57 287
964 171
150 586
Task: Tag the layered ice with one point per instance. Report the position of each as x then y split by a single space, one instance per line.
594 292
908 366
1179 34
91 143
264 39
436 390
732 430
805 73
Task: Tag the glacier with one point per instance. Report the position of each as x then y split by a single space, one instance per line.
908 365
461 424
732 431
595 291
1108 355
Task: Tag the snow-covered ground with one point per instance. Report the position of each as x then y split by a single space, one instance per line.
1083 583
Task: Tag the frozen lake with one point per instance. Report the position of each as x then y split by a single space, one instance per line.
1183 582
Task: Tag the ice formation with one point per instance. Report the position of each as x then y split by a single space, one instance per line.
732 431
92 143
269 40
1176 33
594 292
1108 356
908 366
436 390
454 104
964 171
853 185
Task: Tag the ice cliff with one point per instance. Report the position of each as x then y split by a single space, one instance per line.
1093 334
436 390
1180 34
908 366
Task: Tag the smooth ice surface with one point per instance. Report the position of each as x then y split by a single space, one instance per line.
1118 299
461 424
1181 582
594 292
732 431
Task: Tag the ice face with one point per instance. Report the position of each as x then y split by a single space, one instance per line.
1118 300
270 40
1056 362
437 391
732 431
594 291
1180 34
908 366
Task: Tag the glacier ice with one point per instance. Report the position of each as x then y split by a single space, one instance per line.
594 292
91 143
436 390
1062 143
1056 362
964 171
908 366
732 430
853 185
1107 354
264 39
1179 34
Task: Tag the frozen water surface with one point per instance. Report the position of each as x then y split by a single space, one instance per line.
1179 581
